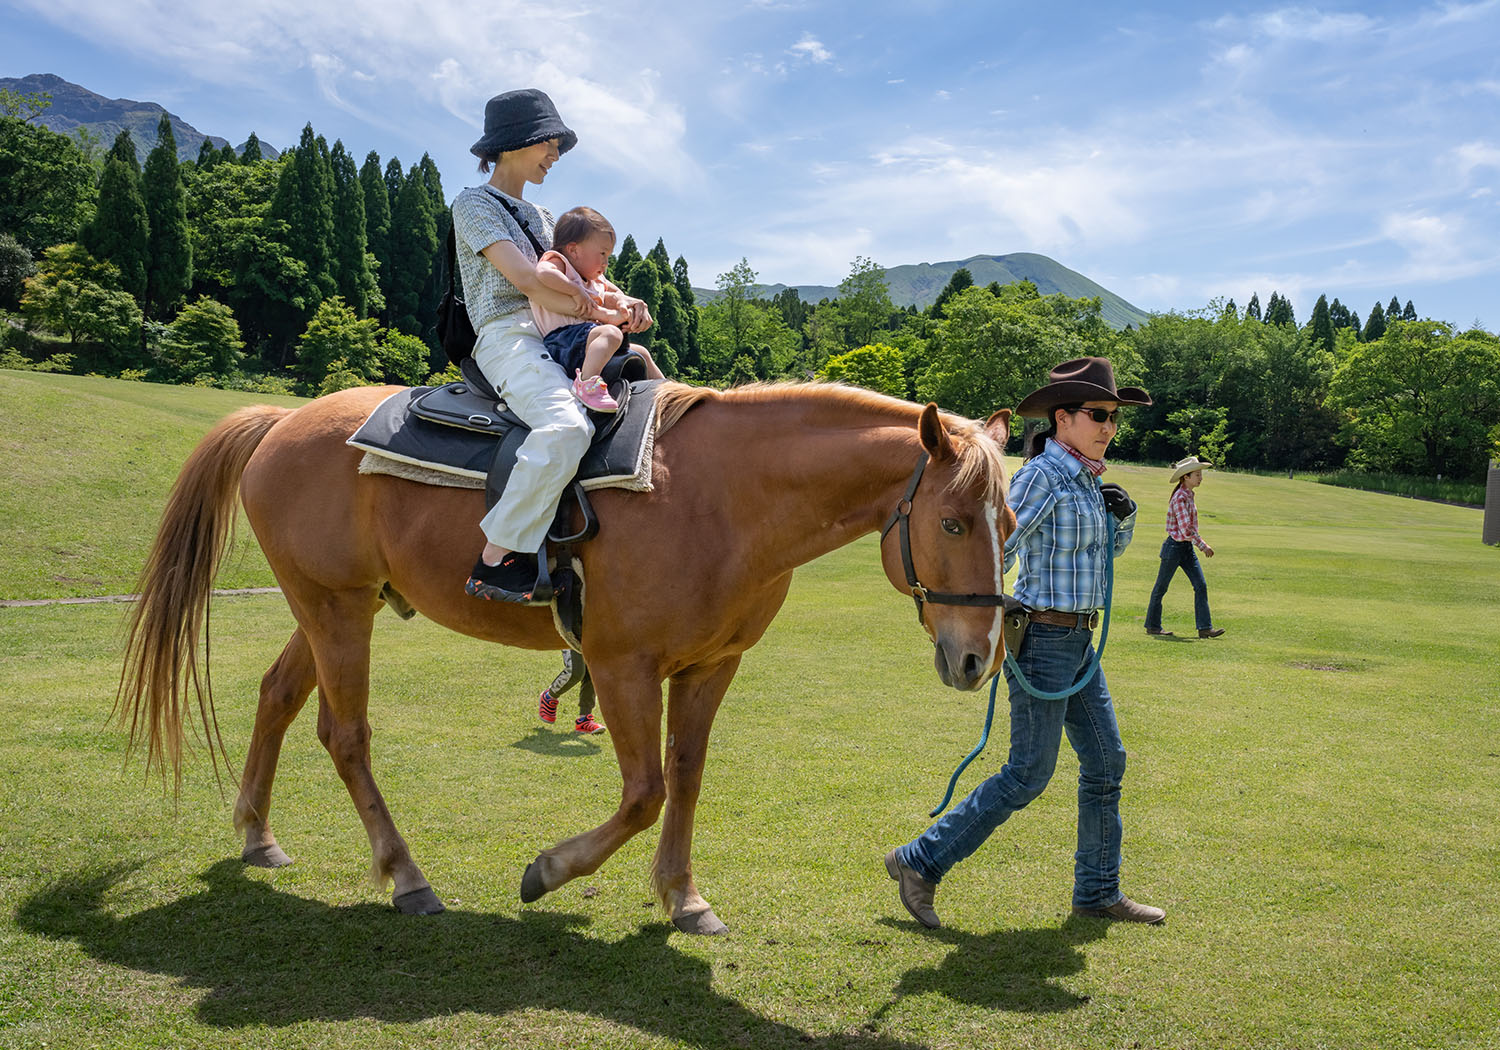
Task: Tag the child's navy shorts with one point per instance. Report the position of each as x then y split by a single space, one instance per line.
566 345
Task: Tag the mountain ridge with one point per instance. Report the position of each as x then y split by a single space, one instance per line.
918 284
74 106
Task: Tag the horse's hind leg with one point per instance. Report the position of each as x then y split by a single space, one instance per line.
632 708
283 691
692 703
339 633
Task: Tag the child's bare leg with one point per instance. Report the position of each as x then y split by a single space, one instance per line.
603 341
652 372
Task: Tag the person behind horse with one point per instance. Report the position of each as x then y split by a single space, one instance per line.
1177 551
583 241
1062 530
500 237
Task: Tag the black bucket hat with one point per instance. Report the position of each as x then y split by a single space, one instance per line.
1079 380
517 119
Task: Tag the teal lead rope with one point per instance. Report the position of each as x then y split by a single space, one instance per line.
1010 661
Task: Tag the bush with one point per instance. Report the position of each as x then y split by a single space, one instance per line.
340 377
203 339
15 267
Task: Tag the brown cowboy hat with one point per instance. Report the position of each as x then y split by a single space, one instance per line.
1074 382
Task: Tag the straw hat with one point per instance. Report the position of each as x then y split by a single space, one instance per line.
1184 467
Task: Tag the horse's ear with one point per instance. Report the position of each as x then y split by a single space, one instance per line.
998 426
935 437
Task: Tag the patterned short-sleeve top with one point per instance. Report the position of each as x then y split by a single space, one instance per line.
479 220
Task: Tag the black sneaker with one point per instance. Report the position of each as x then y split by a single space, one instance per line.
510 581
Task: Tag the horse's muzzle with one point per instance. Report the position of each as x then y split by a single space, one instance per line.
958 670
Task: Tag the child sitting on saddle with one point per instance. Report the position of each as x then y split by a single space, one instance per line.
583 241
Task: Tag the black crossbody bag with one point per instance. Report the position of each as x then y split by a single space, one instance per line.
454 329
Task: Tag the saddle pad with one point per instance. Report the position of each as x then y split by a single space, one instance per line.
619 458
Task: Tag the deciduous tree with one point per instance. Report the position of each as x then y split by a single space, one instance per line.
46 185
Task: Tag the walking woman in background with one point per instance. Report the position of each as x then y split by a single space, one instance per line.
1177 551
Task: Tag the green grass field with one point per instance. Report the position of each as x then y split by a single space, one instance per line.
1312 797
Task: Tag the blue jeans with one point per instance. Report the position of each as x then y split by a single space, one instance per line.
1051 659
1177 554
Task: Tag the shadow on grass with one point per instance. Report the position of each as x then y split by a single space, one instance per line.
564 742
269 958
1005 970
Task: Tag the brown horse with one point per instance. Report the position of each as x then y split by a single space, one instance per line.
748 484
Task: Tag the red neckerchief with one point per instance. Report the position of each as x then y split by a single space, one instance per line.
1096 466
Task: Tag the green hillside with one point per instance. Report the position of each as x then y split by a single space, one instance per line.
918 284
1311 797
88 463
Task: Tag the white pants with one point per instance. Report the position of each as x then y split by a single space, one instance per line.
510 354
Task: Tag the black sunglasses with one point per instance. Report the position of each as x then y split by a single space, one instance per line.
1098 415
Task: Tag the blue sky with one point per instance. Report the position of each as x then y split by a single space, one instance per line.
1172 152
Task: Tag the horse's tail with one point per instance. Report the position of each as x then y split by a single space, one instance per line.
171 611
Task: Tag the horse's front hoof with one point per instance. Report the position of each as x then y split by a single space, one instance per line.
701 924
532 887
420 901
270 856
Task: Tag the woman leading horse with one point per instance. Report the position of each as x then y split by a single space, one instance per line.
748 484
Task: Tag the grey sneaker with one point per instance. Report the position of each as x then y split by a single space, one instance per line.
1125 910
916 892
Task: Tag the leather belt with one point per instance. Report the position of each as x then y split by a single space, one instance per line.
1085 621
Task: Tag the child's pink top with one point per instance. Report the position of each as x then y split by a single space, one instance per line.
599 289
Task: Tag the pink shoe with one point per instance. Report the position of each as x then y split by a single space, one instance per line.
586 724
593 393
548 707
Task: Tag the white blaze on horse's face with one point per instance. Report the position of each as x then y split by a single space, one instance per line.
997 550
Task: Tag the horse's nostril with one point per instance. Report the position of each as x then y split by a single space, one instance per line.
973 667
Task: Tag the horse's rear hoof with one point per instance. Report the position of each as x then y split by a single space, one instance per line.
532 887
701 924
421 901
266 857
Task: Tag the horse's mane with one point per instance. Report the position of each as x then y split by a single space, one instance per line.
981 459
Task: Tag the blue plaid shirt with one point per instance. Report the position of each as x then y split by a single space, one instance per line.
1062 527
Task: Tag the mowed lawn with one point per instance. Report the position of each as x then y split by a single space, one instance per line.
1313 798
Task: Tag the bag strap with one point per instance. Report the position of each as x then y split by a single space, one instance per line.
511 208
452 257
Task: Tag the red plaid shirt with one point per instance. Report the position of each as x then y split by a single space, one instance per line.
1182 518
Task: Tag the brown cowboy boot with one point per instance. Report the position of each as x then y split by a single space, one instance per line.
1125 910
916 892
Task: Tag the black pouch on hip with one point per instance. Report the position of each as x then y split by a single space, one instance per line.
1014 623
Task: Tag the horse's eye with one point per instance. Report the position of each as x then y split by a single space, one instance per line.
953 527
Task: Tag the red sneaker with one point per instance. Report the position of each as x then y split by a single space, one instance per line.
548 708
586 724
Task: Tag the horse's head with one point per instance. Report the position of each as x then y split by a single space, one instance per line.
946 546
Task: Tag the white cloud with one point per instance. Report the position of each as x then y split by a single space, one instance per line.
811 49
1472 155
388 61
1305 24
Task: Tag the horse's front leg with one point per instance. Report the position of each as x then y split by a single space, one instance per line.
692 702
631 705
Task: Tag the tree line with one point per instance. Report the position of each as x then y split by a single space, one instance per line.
306 273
